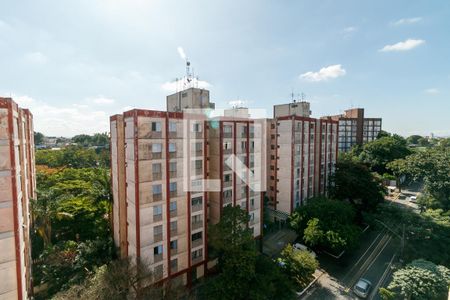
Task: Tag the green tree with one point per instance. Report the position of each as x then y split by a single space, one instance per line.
421 279
414 139
399 169
299 265
327 224
352 181
38 138
378 153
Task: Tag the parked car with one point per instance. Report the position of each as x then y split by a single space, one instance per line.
362 288
413 199
299 246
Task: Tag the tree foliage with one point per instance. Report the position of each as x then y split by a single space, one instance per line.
327 224
378 153
421 279
98 139
38 138
353 181
241 268
299 265
73 157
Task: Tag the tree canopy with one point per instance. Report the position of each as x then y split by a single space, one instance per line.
327 224
420 279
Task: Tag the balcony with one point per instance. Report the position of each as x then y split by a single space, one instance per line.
173 194
243 134
198 152
227 151
173 251
157 197
173 232
197 134
157 258
157 218
156 176
227 135
227 184
227 200
197 207
173 174
196 225
196 259
173 154
196 243
173 213
156 155
157 237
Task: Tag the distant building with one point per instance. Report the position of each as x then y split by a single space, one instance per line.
302 153
17 188
355 128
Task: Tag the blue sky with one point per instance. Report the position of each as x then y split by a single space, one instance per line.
75 63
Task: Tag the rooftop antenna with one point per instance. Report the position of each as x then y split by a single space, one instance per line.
292 95
302 96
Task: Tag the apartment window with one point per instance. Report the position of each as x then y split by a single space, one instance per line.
158 250
198 164
156 168
196 127
196 236
173 245
243 145
173 225
156 126
227 129
197 253
227 193
252 217
156 148
173 166
173 206
172 127
197 201
252 202
172 147
174 264
157 189
173 186
227 145
198 146
157 210
227 177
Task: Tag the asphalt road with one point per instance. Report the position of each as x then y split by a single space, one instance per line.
371 260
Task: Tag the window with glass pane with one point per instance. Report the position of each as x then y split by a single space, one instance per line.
172 147
157 210
157 189
156 126
172 126
173 206
173 186
156 148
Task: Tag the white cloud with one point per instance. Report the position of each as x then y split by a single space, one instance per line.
37 58
325 73
350 29
407 21
174 86
432 91
103 100
403 46
181 53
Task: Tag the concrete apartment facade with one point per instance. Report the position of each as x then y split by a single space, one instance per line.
355 129
160 161
17 188
302 153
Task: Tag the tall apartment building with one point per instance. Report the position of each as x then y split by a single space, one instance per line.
17 187
355 129
302 153
161 161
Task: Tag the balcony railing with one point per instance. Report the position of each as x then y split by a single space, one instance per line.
227 184
197 225
173 174
196 243
157 237
227 151
157 218
173 194
173 232
196 259
156 155
173 213
173 251
197 207
173 154
157 197
227 135
156 176
157 258
227 200
198 171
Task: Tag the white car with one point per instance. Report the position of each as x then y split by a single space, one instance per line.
299 246
362 288
413 199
